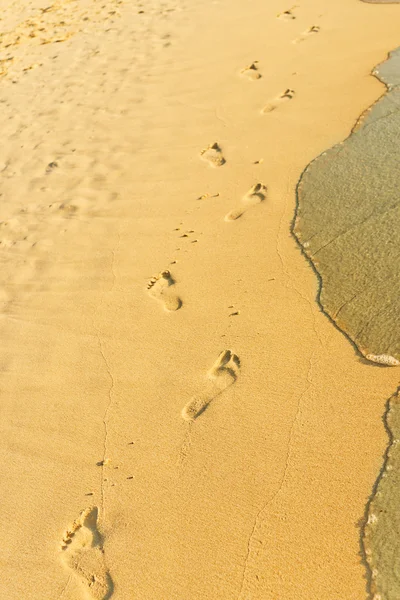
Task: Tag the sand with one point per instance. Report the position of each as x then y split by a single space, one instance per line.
115 126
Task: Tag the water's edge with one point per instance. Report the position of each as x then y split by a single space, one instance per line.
345 222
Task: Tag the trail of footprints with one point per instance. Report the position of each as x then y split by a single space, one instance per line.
82 544
162 286
83 554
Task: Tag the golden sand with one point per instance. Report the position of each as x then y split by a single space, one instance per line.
129 133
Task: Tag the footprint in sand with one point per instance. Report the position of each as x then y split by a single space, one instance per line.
161 288
83 553
213 155
276 102
287 15
251 71
222 374
254 196
310 31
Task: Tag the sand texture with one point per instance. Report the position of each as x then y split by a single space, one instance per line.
347 222
179 419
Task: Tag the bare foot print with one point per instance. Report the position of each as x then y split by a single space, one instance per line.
83 553
310 31
251 71
254 196
213 155
222 374
276 102
287 15
161 288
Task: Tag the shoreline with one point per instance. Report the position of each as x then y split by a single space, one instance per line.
313 231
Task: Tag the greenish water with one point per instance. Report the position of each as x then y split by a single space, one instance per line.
348 223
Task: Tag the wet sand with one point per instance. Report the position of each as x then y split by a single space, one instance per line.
202 433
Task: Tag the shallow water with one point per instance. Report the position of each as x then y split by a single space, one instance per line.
348 223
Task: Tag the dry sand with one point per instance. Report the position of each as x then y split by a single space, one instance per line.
106 490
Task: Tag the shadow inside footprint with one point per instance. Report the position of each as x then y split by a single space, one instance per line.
213 155
160 288
276 102
83 553
254 196
222 374
287 15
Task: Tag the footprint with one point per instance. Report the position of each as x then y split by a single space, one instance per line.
160 287
213 155
254 196
310 31
251 71
222 374
83 553
287 15
276 102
